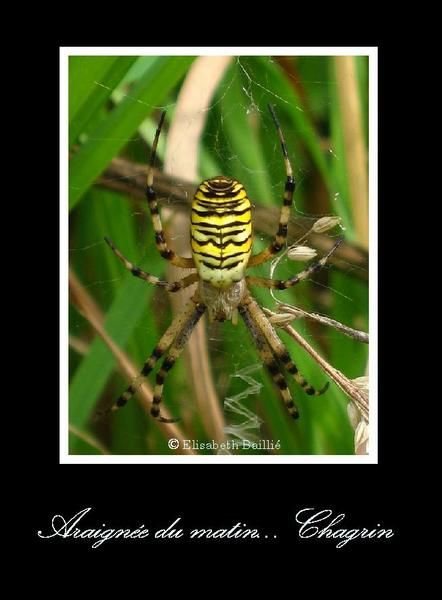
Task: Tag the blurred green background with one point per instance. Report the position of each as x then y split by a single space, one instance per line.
114 105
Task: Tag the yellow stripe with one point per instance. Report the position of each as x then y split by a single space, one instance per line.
220 219
221 252
209 249
238 234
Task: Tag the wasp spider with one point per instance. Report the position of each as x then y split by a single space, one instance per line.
221 241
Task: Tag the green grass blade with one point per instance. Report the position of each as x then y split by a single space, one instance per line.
83 71
280 92
91 376
243 142
109 214
91 81
113 133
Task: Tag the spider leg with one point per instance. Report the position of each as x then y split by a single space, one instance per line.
137 272
269 361
178 261
278 348
174 352
280 284
281 234
181 323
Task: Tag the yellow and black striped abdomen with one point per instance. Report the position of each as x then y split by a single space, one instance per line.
221 231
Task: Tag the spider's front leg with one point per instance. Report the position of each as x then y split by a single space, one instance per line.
289 190
178 261
137 272
283 284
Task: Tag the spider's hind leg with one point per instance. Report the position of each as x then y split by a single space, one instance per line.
175 338
289 190
160 241
278 348
176 349
270 361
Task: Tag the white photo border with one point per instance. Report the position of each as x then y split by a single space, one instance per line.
372 53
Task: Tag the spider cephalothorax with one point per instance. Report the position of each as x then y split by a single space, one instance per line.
222 302
221 244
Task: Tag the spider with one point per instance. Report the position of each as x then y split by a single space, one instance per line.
221 243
